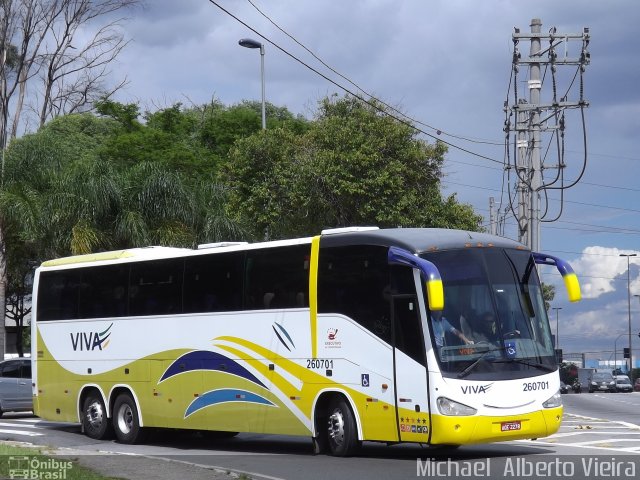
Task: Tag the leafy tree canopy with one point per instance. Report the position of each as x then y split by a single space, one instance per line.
352 166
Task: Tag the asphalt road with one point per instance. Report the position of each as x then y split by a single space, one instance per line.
596 426
610 406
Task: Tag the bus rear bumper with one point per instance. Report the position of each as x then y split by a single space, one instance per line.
461 430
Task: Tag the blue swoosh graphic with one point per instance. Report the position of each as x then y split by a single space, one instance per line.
280 338
282 329
207 360
225 395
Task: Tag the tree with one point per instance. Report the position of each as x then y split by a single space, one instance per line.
70 191
45 41
222 126
548 294
18 306
568 373
353 166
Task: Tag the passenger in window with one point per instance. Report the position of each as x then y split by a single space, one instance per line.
441 326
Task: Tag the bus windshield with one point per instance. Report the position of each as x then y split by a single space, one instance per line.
494 324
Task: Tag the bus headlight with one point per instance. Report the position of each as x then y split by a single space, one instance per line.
446 406
553 402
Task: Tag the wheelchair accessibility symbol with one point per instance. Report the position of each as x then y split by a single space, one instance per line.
510 349
365 379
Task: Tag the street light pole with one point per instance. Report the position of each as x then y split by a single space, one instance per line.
557 331
615 350
249 43
629 255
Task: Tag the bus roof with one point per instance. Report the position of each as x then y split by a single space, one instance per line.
421 240
415 240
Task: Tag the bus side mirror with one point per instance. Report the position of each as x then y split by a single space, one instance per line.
571 282
435 290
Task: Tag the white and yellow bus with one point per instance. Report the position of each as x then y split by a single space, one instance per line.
330 337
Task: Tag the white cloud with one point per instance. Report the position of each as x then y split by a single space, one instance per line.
599 268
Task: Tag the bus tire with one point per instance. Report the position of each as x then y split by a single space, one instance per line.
342 433
95 423
126 421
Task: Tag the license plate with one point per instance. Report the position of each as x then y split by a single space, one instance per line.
510 426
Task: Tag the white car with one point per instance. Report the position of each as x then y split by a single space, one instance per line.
15 386
623 384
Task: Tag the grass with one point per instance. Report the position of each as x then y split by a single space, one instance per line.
19 459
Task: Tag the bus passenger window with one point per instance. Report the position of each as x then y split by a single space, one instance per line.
354 281
213 283
277 277
104 291
58 295
156 287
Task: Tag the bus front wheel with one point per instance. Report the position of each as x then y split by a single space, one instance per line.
342 431
94 417
126 422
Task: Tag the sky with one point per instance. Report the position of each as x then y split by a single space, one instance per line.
448 64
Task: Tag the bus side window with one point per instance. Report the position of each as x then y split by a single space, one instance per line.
213 283
104 291
58 295
156 287
354 281
277 277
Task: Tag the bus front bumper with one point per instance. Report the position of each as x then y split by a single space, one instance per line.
462 430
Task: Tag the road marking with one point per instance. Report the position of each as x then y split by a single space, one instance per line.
6 424
605 434
38 422
585 447
22 432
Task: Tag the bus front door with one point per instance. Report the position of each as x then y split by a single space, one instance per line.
412 403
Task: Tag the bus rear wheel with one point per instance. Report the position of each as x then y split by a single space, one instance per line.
342 433
95 423
126 421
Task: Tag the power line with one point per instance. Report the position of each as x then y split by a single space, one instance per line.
439 131
551 199
611 186
372 103
402 120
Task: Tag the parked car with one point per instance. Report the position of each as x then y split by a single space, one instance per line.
602 382
563 387
636 386
623 384
15 386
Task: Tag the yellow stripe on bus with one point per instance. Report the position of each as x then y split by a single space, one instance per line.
91 257
313 294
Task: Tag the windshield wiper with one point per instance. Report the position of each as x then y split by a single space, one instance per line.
467 370
539 366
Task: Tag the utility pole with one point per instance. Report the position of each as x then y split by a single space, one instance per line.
535 85
493 217
534 117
